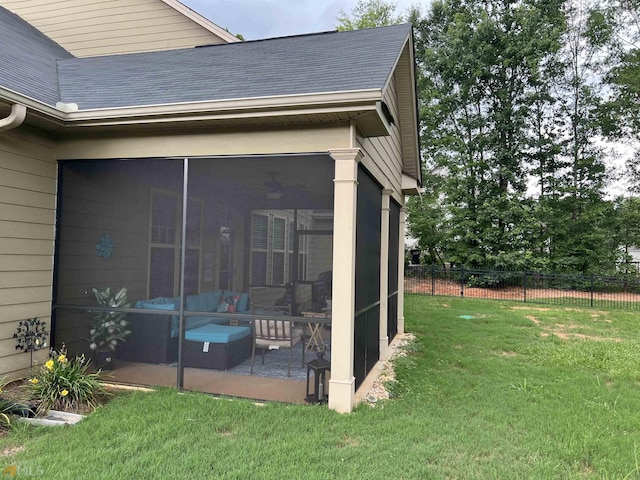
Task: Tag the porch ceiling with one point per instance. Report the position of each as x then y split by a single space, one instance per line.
303 179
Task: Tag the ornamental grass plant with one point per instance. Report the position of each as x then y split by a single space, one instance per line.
5 407
65 384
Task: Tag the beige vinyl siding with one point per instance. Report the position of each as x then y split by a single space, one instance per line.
383 155
27 217
106 27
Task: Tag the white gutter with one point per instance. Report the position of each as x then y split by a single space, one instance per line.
71 113
15 118
353 103
235 105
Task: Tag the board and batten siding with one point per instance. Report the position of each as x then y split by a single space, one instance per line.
383 155
28 176
107 27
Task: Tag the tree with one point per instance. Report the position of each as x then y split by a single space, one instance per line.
577 212
426 220
369 14
623 111
479 65
628 227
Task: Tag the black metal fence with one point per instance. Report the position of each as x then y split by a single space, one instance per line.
621 292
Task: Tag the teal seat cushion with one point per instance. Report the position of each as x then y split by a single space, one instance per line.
194 322
158 306
155 301
213 333
243 303
197 303
175 300
212 299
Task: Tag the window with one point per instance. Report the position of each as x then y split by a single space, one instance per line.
164 248
259 248
272 247
278 259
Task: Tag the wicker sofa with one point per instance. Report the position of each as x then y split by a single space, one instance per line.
154 336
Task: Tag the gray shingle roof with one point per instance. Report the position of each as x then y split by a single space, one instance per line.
28 59
325 62
316 63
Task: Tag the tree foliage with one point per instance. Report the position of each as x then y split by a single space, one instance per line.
368 14
480 66
515 100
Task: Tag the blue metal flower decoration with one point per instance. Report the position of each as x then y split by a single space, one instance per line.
105 247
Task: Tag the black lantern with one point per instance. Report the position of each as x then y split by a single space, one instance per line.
319 367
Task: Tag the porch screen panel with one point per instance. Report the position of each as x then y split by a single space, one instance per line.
121 222
368 250
250 210
119 227
394 245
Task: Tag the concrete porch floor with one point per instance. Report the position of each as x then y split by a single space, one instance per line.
210 381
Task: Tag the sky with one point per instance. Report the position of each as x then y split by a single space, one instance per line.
256 19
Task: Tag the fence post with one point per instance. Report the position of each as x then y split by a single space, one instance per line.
433 279
462 281
592 285
525 286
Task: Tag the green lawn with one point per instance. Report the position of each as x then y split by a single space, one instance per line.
516 391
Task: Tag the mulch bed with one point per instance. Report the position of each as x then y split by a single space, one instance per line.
18 392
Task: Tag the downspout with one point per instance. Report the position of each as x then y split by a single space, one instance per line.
15 118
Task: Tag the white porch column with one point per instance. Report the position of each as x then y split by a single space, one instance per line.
384 273
342 383
403 224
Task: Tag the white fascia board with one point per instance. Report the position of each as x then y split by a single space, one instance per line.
158 119
11 96
396 63
409 185
248 106
359 102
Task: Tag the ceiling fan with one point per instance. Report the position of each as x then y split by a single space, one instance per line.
274 188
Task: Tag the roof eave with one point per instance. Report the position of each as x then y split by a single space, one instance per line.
363 106
410 133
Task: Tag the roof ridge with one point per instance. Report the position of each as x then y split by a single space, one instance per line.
298 35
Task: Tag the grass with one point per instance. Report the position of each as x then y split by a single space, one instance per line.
515 392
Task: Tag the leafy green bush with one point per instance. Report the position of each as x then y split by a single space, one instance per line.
65 384
109 328
494 279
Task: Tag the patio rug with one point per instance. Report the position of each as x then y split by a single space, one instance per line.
276 363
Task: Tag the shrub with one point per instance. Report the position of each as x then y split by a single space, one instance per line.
65 384
109 328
